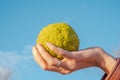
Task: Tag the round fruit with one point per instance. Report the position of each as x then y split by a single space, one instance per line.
61 35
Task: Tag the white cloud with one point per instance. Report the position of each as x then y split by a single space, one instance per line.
5 73
9 59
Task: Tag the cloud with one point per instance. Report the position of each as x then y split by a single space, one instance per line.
9 59
5 73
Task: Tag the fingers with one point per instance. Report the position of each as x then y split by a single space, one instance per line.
39 60
47 62
46 56
43 58
58 50
44 65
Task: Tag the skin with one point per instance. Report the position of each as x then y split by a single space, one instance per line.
73 60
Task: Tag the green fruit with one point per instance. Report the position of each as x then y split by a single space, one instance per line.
59 34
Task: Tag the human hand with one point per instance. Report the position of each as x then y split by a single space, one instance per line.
73 60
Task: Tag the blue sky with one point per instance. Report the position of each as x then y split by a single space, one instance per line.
97 23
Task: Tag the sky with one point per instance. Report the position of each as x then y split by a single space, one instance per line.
97 23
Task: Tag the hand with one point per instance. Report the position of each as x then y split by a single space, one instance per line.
73 60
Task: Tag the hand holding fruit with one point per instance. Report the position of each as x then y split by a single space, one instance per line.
73 60
70 60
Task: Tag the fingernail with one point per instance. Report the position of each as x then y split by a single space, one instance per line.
47 43
39 45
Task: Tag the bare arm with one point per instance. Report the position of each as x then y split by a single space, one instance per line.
74 60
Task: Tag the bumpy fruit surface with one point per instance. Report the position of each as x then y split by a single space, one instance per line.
61 35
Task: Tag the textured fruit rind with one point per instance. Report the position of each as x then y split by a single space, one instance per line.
60 34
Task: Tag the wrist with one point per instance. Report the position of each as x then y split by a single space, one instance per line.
106 62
